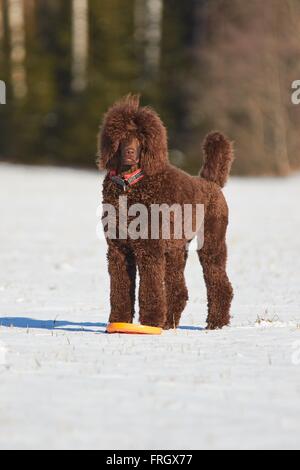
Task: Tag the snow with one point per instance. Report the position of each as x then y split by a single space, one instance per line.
65 384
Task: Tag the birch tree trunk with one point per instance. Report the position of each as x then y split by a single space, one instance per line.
17 47
148 32
80 44
1 24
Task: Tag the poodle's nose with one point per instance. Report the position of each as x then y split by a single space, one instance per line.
130 155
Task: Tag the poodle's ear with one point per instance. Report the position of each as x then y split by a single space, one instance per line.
108 152
154 141
118 124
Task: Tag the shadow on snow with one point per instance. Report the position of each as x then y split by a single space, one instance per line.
61 325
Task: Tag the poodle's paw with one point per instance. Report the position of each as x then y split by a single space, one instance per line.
170 326
152 323
121 319
217 324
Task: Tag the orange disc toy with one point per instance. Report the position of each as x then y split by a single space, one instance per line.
131 329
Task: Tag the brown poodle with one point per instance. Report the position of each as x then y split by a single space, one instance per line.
134 151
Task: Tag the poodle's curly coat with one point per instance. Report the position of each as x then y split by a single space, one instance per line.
161 263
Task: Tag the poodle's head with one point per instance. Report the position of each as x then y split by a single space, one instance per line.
127 123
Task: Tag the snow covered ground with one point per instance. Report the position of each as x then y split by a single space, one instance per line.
64 384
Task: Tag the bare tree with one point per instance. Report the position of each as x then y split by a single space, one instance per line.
244 62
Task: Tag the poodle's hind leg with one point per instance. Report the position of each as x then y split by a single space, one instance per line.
122 270
176 290
213 257
219 289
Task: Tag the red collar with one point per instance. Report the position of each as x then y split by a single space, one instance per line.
127 180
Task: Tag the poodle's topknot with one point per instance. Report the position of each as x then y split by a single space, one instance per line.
131 101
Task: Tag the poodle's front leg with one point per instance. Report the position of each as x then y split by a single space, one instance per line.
122 270
152 295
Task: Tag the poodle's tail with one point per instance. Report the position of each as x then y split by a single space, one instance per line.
218 158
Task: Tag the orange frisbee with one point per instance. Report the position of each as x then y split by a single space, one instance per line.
131 329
